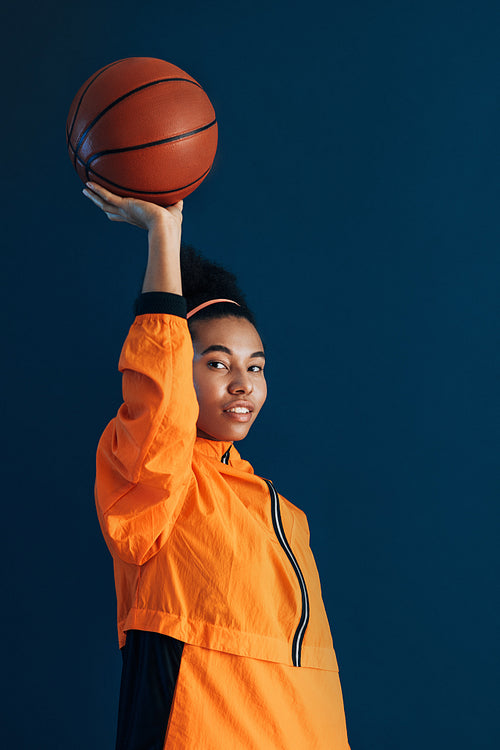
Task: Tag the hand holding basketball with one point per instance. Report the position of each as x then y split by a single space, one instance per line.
133 211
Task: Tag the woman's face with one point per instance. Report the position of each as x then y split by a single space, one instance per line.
228 372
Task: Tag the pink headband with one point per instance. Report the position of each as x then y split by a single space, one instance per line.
206 304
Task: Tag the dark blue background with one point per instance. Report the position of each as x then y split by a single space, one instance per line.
355 194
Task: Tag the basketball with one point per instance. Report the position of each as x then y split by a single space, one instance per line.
142 128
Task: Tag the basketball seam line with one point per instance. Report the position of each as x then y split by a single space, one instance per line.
95 77
149 192
120 99
140 146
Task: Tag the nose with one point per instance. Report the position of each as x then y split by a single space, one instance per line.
241 382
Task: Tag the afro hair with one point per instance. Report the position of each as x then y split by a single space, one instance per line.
203 280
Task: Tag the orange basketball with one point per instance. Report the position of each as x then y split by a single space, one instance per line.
142 128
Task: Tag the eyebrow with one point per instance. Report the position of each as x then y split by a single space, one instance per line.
220 348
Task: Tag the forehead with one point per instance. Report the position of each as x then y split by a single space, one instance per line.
237 334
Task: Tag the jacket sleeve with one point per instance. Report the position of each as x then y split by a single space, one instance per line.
144 456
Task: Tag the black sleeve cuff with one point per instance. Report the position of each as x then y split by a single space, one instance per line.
161 302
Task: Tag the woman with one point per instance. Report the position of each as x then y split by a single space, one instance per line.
224 636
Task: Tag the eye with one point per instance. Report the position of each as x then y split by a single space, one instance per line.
255 368
216 365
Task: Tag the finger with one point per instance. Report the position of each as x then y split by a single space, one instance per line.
99 202
94 198
104 194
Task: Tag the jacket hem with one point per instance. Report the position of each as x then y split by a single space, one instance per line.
216 638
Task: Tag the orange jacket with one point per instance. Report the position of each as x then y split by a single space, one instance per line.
204 550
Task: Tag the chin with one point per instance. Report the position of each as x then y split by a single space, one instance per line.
231 435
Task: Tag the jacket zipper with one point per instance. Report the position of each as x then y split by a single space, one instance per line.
280 533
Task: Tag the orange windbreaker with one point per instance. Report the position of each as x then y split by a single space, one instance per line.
204 550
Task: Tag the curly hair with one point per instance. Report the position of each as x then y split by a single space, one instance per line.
203 280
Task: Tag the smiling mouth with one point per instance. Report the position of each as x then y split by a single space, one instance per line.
239 413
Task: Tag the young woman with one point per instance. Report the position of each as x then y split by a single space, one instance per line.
224 636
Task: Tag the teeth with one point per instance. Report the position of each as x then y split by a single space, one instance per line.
239 410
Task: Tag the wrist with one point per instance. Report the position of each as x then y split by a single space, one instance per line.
164 236
165 223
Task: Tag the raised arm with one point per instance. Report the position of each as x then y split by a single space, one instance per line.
144 455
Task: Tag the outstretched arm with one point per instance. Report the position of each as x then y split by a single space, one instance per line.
163 272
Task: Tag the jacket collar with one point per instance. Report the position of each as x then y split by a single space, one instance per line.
214 448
